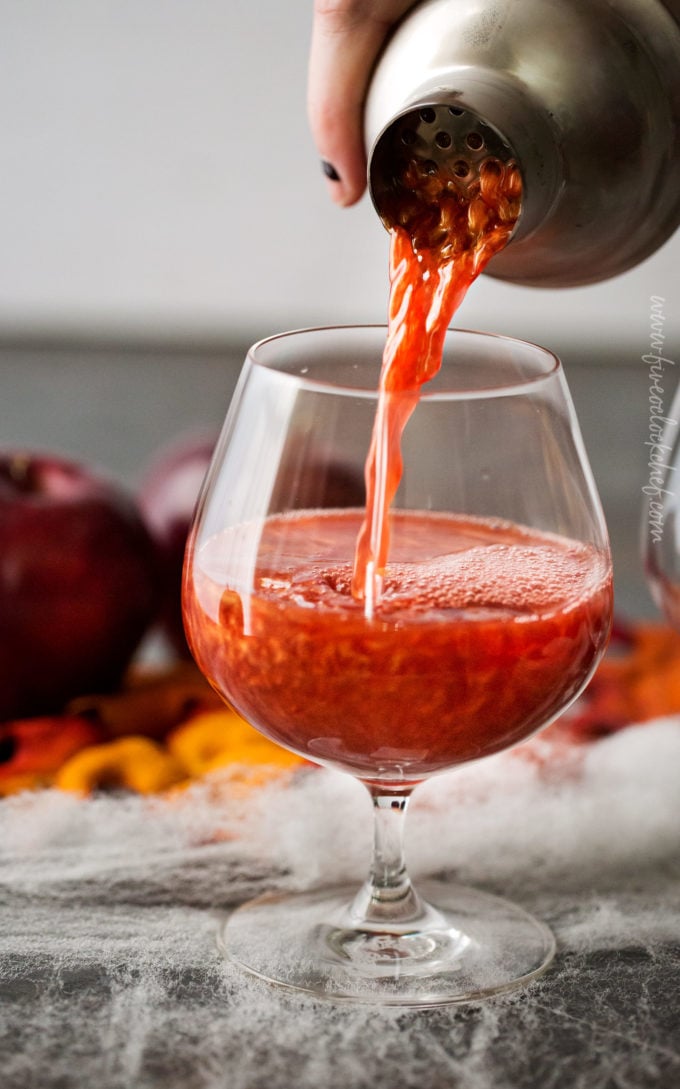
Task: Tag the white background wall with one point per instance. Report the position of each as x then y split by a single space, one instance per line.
157 179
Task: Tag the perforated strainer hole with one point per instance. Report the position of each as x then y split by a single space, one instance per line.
443 140
475 141
461 169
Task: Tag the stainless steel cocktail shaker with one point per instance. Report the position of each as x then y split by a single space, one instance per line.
583 94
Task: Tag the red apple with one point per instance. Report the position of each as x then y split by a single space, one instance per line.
167 498
78 582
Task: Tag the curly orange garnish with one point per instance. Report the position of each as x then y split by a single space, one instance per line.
130 763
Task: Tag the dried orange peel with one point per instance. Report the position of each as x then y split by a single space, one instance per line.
201 745
162 730
130 763
215 739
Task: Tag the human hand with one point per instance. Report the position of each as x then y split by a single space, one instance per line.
347 36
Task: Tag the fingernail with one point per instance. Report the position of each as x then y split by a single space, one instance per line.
330 171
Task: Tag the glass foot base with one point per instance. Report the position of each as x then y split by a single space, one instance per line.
466 945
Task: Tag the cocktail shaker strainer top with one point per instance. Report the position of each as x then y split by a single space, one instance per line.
584 95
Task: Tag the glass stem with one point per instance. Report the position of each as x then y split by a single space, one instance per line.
388 897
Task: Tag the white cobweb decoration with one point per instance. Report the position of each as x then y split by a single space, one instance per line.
109 973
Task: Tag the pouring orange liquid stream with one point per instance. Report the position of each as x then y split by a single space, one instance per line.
434 258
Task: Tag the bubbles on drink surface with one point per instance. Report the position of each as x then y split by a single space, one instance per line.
437 563
518 580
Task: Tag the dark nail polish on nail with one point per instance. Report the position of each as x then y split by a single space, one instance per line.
330 171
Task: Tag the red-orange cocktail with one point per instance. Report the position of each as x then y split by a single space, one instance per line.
484 632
